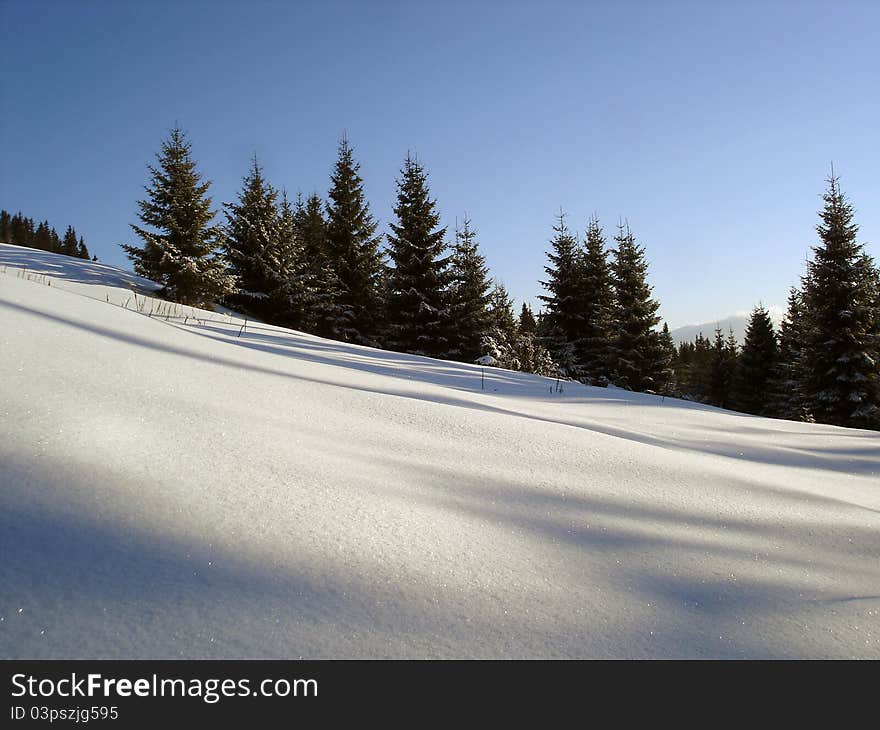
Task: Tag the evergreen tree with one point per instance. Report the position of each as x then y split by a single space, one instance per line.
469 295
842 334
562 322
756 365
288 293
419 317
252 238
663 361
722 366
5 227
181 251
786 398
634 343
323 308
595 301
527 323
82 251
22 231
43 237
353 249
69 244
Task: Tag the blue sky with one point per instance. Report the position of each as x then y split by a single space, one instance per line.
709 126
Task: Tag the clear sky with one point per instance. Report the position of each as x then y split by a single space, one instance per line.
710 126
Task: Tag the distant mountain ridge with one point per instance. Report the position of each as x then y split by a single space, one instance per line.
737 322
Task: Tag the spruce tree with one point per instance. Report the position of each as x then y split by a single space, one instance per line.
180 252
663 361
69 244
323 308
562 321
842 334
595 301
83 252
469 287
786 398
5 227
499 337
43 237
527 323
354 252
756 365
287 285
722 365
634 340
419 317
252 234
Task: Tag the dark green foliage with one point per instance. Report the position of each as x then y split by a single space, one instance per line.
786 398
841 345
594 302
19 231
562 322
527 323
82 251
418 313
468 296
663 356
722 366
252 240
353 250
756 365
69 244
634 345
322 308
43 237
287 295
691 365
180 252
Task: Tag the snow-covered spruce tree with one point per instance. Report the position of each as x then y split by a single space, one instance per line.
595 301
841 354
507 344
353 248
252 232
418 307
181 250
562 321
757 362
634 340
323 309
468 295
288 289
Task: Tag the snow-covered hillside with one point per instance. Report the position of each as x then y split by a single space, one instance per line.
184 487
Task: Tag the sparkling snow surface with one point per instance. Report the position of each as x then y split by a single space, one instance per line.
172 488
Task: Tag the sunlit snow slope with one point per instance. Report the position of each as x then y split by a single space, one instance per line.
182 487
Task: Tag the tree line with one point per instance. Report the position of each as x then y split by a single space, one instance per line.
22 231
321 266
823 365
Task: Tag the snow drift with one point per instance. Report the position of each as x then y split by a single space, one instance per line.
174 483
